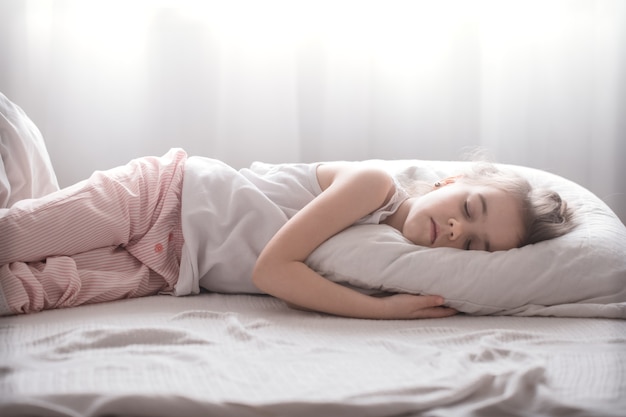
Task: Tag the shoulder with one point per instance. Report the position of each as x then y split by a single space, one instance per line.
358 176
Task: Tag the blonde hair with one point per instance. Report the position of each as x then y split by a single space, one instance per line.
545 215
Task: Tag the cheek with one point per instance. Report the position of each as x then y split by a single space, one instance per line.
441 199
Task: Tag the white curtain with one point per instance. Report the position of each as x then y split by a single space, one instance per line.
540 83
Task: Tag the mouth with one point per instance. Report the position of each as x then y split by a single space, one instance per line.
433 231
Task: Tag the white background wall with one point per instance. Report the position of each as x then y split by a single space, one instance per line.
537 83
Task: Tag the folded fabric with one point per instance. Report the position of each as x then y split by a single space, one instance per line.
25 167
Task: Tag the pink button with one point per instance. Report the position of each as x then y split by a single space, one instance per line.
158 248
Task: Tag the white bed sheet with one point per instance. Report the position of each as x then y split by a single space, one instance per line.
240 355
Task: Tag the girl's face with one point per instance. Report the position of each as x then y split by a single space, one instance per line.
465 216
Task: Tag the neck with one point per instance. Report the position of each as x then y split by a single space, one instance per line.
397 219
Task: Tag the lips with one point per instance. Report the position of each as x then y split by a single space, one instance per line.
433 231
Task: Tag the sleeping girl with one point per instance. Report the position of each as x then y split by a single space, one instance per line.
178 224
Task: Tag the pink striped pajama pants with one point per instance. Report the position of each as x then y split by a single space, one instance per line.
116 235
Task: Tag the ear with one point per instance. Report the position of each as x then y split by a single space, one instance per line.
447 181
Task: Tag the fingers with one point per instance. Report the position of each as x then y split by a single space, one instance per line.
407 306
431 306
431 300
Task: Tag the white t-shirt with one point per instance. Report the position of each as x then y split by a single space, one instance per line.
228 217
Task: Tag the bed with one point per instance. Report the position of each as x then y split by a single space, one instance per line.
244 355
545 337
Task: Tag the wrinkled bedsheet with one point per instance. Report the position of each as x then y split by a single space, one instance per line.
240 355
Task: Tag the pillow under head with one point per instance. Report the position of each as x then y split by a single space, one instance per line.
580 274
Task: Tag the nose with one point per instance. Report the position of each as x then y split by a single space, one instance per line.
456 229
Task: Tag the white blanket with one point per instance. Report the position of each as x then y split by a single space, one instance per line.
245 355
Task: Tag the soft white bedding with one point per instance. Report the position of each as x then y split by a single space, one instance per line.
25 167
246 355
243 355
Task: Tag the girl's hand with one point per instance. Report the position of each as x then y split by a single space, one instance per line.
407 306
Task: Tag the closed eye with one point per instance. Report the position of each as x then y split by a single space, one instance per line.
466 208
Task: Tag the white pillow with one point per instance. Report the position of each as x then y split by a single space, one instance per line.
25 167
581 274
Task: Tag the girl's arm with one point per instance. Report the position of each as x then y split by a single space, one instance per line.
350 191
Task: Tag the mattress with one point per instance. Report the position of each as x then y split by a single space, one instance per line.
244 355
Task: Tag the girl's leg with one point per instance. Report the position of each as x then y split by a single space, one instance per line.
99 275
112 208
135 208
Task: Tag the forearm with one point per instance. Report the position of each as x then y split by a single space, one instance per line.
297 284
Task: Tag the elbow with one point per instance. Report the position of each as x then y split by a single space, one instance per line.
261 276
270 276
